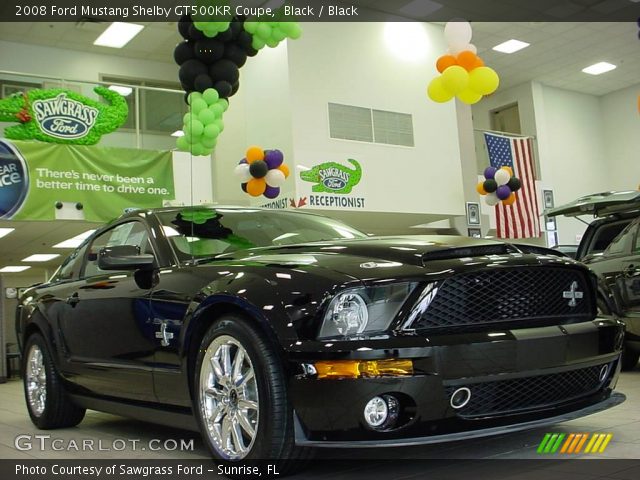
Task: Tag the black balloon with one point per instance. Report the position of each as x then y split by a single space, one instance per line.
514 184
236 54
189 70
183 26
490 186
224 70
243 186
209 50
183 52
194 33
235 28
224 36
244 40
234 88
251 52
223 88
202 82
259 169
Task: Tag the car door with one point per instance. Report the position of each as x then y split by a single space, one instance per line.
108 333
630 276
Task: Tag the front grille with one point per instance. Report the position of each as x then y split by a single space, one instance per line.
529 393
508 294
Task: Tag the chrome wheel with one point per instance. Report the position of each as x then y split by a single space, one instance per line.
229 398
36 380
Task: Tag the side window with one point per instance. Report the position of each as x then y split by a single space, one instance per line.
130 233
69 266
622 242
636 243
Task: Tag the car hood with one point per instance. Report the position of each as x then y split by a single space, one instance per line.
598 204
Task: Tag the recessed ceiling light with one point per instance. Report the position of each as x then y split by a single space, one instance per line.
124 91
14 269
510 46
41 257
598 68
118 34
178 133
5 231
76 241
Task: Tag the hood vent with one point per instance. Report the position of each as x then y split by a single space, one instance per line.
447 254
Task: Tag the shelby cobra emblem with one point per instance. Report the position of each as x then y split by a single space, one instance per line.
573 294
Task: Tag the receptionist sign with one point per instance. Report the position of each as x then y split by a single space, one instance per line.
43 181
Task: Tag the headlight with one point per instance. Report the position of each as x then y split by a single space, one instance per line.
361 310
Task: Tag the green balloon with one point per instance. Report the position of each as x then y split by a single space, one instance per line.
210 96
218 123
197 149
294 31
198 105
264 30
258 43
206 116
193 96
272 43
211 131
196 127
209 142
278 34
251 27
217 109
182 144
225 104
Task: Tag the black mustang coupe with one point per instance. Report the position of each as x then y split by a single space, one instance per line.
274 331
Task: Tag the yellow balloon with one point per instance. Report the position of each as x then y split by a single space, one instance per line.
437 92
483 80
455 79
469 97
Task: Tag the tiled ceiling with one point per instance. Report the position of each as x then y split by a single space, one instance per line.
558 51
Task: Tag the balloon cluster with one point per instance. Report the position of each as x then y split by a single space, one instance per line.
271 33
499 185
212 61
203 123
463 74
262 172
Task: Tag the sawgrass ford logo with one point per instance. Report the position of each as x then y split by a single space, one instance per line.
14 180
62 117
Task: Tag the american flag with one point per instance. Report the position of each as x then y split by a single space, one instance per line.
521 219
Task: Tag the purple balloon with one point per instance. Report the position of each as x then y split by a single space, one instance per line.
272 192
244 160
274 158
503 192
490 172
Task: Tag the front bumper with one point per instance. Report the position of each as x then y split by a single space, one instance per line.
502 369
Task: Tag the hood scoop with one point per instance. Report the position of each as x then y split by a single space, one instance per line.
475 251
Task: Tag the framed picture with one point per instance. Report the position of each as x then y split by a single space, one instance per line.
474 232
547 198
550 224
473 213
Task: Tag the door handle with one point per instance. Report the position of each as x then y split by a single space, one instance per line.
73 300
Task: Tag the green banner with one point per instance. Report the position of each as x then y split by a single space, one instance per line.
91 183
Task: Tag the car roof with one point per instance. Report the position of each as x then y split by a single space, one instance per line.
599 205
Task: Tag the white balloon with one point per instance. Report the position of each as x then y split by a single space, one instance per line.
275 178
471 47
458 34
491 199
502 177
242 172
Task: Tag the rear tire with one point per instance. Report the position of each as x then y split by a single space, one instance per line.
47 402
629 359
241 400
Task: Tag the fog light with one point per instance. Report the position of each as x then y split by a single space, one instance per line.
376 412
460 398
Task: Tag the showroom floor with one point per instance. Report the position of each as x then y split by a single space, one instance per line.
623 422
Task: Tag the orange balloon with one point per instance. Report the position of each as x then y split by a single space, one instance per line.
467 60
510 199
445 62
284 169
480 188
256 187
253 154
508 169
479 62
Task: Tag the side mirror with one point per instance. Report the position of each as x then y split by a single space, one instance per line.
124 257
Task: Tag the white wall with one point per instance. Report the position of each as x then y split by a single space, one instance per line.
621 126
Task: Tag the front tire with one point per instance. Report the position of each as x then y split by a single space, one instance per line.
240 396
47 402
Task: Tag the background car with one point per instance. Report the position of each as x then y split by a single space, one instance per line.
611 247
275 331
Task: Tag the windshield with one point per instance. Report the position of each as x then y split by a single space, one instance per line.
206 232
